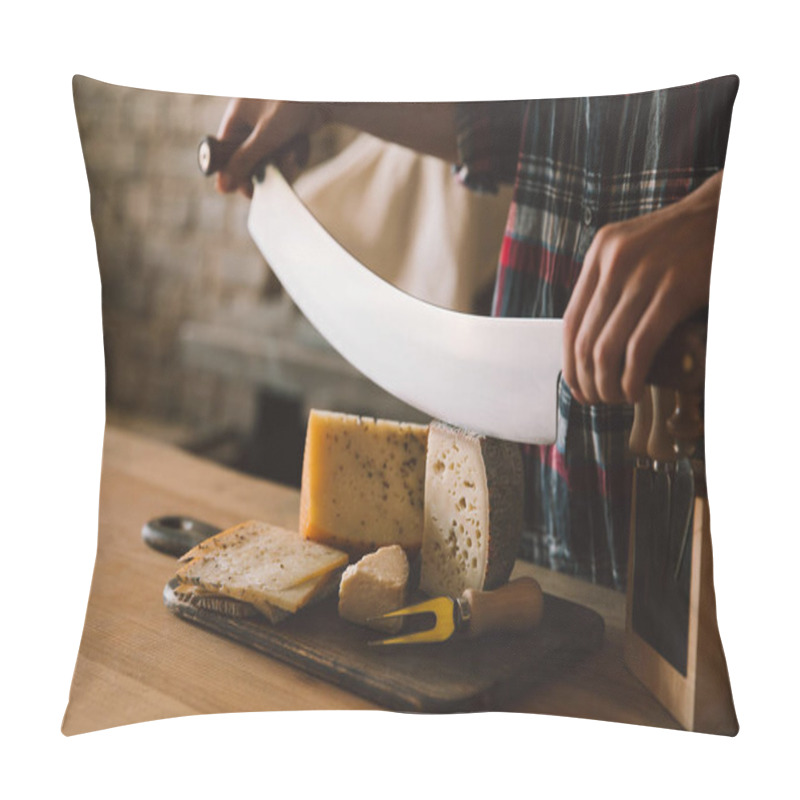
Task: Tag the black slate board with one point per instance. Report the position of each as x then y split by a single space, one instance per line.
455 676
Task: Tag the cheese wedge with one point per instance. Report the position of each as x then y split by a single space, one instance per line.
473 511
263 564
363 482
375 585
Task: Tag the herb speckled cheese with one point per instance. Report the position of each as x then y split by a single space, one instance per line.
363 482
473 511
263 565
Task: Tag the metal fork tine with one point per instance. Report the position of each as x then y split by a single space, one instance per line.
427 607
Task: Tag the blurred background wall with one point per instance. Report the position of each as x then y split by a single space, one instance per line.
202 348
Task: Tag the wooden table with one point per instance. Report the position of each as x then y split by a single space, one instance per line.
138 662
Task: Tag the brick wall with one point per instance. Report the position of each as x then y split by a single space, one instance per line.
169 248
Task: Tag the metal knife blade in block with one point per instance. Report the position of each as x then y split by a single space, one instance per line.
517 606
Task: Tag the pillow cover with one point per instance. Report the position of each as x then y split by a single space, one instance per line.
204 351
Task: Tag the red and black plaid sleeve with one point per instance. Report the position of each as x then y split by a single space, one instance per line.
578 164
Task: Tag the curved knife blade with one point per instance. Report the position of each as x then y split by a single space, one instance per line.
496 376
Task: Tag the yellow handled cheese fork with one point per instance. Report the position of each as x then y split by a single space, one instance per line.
517 606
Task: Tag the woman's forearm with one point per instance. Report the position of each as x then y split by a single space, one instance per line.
426 127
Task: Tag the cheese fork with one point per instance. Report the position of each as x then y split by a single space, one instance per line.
517 606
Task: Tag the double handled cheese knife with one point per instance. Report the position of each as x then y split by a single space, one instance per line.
494 376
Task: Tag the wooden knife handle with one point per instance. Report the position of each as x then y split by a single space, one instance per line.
642 423
213 154
680 364
660 444
686 423
517 606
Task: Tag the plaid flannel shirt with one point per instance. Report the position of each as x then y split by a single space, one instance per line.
578 164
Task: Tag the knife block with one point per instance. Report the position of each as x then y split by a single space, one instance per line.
672 643
700 697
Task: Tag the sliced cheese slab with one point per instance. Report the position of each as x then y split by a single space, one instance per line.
473 511
198 549
291 600
363 482
262 555
263 564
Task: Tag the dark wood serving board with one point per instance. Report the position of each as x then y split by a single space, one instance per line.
459 675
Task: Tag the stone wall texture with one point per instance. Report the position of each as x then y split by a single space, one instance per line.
169 249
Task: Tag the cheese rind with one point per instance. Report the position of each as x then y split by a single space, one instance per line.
473 511
196 596
363 482
375 585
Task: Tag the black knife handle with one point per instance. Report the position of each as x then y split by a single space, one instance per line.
213 154
175 534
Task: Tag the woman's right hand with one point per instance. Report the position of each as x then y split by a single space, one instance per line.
261 128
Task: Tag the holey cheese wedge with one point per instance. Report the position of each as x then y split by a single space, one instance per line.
473 511
363 482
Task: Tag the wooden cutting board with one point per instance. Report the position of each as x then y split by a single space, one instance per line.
455 676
